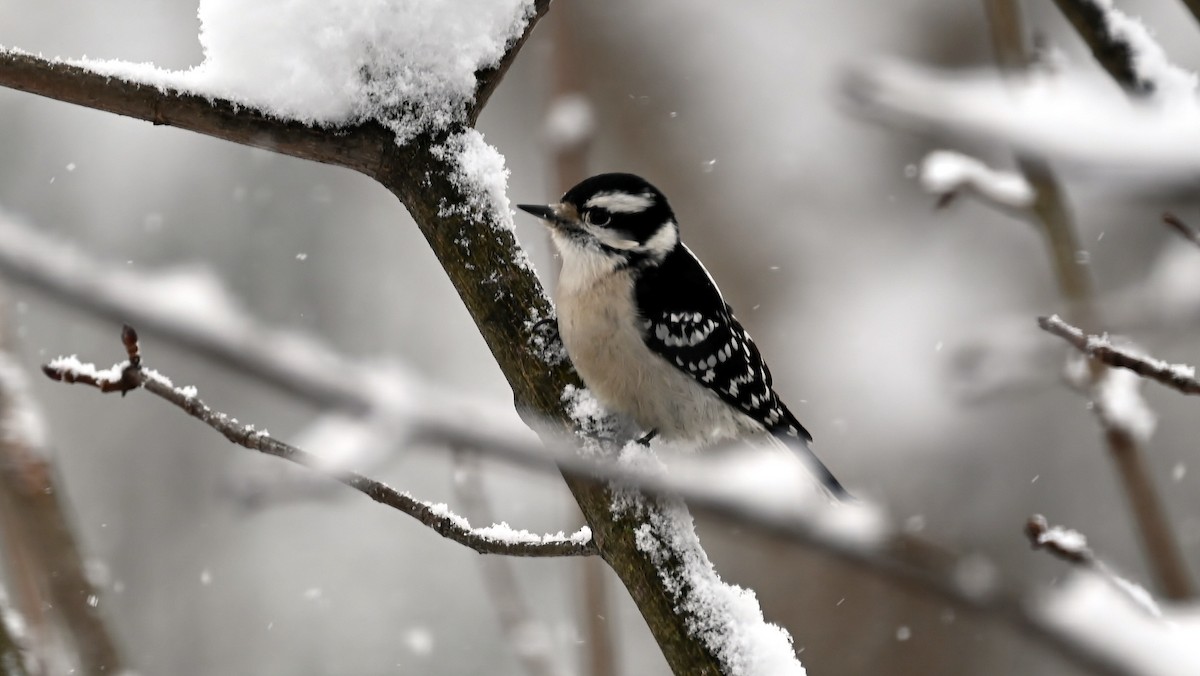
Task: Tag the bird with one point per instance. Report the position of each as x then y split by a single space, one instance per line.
647 329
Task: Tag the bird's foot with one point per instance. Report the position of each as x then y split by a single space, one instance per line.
646 438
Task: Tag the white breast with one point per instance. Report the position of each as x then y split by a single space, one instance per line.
598 322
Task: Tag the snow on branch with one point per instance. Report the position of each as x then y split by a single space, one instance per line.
1127 50
946 173
277 76
1072 546
496 539
1063 115
1179 377
1064 543
409 65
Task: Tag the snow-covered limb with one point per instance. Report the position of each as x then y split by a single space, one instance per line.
1127 49
1066 115
1069 545
1179 377
726 617
495 539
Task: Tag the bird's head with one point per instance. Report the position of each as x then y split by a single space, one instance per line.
619 216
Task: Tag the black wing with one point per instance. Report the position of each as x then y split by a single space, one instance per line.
686 322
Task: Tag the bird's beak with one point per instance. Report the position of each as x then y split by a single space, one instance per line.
555 215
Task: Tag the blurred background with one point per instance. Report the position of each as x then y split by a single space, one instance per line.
903 337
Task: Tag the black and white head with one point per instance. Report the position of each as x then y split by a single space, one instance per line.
620 218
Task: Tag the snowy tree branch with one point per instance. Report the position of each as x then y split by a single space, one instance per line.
131 375
1113 51
1065 544
1071 546
1179 377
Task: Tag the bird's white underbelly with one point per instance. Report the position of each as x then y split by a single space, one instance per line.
599 329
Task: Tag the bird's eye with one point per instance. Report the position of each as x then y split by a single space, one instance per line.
597 217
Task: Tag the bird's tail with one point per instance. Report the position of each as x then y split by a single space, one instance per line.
801 444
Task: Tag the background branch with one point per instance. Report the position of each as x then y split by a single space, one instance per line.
132 375
1078 290
58 598
1179 377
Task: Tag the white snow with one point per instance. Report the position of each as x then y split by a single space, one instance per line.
944 172
1105 619
1070 115
409 64
1172 85
590 418
503 533
1065 539
727 618
78 368
479 171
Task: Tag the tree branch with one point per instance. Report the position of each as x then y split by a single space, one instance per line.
1068 545
1112 51
1189 233
1078 290
131 375
1179 377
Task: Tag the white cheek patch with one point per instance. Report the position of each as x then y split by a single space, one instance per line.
611 238
621 202
664 240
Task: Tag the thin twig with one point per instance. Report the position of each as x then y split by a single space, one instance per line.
132 375
1179 377
1071 546
1067 545
1191 234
